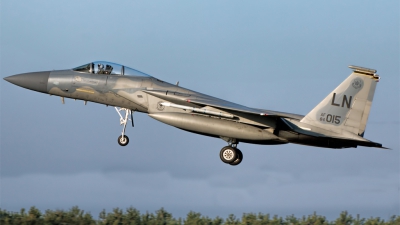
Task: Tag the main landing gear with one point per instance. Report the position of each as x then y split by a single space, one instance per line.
231 154
123 140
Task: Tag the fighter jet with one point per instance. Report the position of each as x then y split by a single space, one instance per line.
338 121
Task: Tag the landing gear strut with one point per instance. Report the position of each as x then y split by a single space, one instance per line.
231 154
123 140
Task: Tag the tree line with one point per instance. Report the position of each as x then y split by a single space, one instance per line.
132 216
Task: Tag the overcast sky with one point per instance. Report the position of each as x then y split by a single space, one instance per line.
279 55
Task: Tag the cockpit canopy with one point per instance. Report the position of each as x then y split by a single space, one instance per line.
108 68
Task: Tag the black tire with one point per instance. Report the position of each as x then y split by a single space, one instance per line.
228 154
123 141
239 158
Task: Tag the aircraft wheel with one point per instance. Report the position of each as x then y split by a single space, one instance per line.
123 140
228 154
238 159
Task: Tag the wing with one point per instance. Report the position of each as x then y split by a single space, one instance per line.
200 100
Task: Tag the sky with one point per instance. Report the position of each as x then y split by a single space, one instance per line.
278 55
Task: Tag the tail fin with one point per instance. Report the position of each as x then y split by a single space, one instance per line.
347 107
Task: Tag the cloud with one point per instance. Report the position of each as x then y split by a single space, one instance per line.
150 191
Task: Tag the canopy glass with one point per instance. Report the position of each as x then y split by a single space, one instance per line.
103 67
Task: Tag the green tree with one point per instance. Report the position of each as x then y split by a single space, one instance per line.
132 216
314 219
147 218
113 218
34 217
193 218
164 218
374 221
263 219
5 217
73 216
344 219
358 220
277 220
292 220
394 220
218 221
250 219
232 220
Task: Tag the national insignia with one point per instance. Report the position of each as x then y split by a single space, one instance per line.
160 107
357 83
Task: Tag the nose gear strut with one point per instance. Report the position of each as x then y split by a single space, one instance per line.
123 140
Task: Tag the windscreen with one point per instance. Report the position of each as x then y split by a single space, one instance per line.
84 69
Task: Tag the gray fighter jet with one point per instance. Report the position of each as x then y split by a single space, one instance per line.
339 121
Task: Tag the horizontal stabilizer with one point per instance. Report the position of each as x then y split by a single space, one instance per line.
357 140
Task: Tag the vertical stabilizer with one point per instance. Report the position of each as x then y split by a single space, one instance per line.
347 107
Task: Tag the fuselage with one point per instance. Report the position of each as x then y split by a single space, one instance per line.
131 92
119 86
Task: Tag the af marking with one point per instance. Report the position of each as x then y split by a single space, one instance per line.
330 118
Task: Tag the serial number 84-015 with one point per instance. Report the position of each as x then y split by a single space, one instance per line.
330 118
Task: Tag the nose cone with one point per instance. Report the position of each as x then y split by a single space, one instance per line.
36 81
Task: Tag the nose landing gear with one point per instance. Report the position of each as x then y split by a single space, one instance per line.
231 154
123 140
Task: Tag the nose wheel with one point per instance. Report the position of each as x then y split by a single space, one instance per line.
123 140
